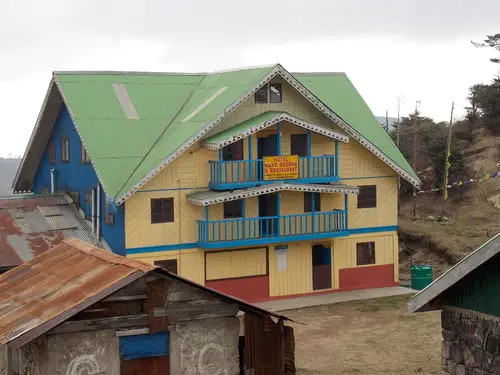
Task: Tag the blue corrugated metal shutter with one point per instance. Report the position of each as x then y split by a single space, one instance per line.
144 346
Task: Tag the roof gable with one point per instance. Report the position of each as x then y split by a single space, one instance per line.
337 92
426 299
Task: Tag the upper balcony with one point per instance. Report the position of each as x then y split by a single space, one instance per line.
235 174
273 147
274 229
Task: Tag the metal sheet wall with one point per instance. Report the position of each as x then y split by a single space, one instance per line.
144 346
264 345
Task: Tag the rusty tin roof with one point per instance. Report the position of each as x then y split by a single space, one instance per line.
46 291
31 225
40 294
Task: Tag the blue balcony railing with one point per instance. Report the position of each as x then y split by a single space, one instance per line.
273 227
244 173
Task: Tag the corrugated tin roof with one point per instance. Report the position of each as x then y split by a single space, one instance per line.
32 225
43 293
37 295
208 197
425 300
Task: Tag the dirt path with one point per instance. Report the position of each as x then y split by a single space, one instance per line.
367 337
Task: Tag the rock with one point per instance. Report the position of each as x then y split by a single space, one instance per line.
469 359
493 345
452 368
430 218
446 350
460 370
457 354
495 200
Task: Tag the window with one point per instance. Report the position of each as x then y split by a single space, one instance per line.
261 95
65 157
109 215
275 93
271 93
367 197
52 153
365 253
233 209
308 202
162 210
84 158
234 151
298 145
170 265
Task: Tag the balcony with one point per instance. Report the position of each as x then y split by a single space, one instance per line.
237 174
274 229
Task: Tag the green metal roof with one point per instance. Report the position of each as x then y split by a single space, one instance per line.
337 92
261 121
242 127
173 110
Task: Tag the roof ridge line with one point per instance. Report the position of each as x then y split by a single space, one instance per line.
119 72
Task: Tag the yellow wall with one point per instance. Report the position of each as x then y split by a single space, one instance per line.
386 251
232 264
297 278
190 262
189 171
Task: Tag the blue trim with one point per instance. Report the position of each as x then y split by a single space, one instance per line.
309 143
154 249
346 209
278 210
172 189
392 228
260 241
229 244
337 157
248 184
278 140
249 156
365 178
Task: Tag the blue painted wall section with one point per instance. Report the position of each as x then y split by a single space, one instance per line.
77 177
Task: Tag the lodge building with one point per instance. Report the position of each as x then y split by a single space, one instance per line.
256 182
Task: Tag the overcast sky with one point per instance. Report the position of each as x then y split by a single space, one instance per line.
419 48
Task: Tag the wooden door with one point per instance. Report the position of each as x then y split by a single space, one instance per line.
145 366
321 267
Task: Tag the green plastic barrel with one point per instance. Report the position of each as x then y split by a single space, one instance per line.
421 276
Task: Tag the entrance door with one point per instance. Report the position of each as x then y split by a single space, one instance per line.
268 206
265 147
321 267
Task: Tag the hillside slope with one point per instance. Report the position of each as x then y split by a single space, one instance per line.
473 212
8 168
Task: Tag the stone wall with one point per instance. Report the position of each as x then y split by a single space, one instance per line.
94 352
471 342
208 346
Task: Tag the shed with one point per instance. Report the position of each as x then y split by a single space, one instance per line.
468 295
79 309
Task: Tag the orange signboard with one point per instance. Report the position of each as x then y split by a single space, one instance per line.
281 167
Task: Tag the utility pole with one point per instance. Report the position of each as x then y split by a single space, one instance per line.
397 143
387 121
447 161
415 131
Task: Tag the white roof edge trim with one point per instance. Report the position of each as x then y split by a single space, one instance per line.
80 135
268 189
344 125
34 132
281 117
475 259
306 93
195 138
